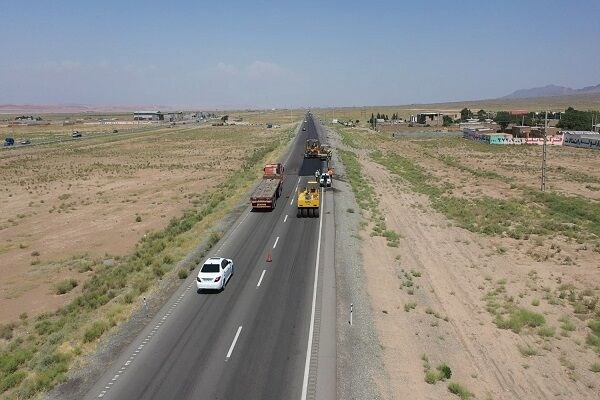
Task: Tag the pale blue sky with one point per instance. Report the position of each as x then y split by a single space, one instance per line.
280 54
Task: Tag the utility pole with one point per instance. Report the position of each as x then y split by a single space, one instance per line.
543 186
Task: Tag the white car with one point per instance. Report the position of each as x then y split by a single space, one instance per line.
215 273
325 180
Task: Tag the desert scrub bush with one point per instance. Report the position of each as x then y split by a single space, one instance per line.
6 330
520 318
593 338
95 331
11 380
138 219
182 274
213 239
459 390
566 324
546 331
527 351
595 367
65 286
409 306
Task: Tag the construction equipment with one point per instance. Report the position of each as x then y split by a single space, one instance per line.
269 189
309 200
314 149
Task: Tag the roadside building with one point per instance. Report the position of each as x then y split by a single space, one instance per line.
521 131
435 117
148 116
583 139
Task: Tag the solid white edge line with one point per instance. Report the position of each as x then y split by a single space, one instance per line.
295 191
276 240
233 343
261 277
312 312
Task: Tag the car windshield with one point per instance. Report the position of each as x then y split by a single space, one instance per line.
210 268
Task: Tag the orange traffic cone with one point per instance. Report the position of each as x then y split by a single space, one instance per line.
269 256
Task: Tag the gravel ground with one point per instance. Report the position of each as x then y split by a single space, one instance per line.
358 347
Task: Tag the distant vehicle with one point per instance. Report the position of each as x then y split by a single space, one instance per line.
269 189
303 128
314 149
25 141
76 134
269 126
214 274
9 141
325 180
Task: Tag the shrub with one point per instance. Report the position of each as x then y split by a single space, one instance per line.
95 331
431 376
527 351
519 319
35 253
182 274
567 325
65 286
409 306
138 219
595 367
12 380
459 390
445 370
546 331
6 331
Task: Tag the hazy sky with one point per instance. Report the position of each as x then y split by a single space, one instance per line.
301 53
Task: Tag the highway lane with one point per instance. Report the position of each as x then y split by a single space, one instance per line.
249 341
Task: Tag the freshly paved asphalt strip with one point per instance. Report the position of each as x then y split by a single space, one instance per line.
251 340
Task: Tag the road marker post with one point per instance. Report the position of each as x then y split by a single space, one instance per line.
146 307
351 310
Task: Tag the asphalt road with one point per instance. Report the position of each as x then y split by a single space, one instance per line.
257 339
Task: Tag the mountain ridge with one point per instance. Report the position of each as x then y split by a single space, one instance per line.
550 90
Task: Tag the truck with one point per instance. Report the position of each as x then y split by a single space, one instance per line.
269 188
9 141
314 149
309 200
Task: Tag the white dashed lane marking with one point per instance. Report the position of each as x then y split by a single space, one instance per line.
276 240
261 278
285 219
237 335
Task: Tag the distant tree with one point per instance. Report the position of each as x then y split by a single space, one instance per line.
371 119
575 120
378 116
503 118
481 115
224 118
465 114
356 122
447 121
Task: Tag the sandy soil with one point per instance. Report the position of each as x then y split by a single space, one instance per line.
67 207
451 270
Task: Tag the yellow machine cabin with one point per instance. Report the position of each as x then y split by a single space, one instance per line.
309 200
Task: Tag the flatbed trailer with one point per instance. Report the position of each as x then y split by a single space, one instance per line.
269 189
